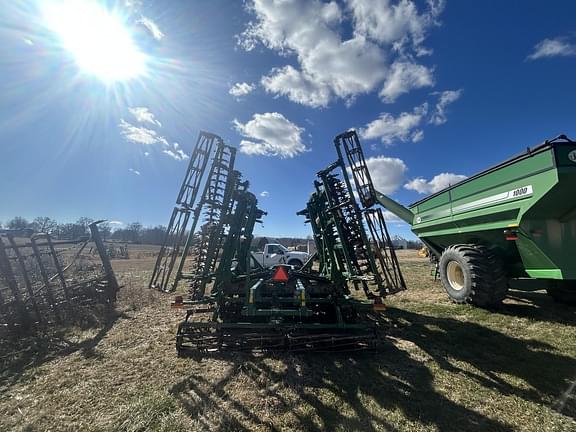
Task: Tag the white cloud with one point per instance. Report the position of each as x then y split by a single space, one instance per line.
418 136
115 222
152 27
297 86
391 217
264 194
241 89
331 65
437 183
142 135
135 8
143 115
176 153
397 24
28 41
271 134
387 173
407 125
558 47
438 117
286 25
403 77
388 128
137 134
133 171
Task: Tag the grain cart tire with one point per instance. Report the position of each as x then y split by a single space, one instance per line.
472 274
296 263
563 292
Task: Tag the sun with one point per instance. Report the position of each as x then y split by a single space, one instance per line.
97 38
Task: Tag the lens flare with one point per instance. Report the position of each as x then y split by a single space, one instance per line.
97 38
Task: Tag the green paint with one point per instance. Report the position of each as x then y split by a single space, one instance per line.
532 194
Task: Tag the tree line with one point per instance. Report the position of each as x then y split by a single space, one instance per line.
133 232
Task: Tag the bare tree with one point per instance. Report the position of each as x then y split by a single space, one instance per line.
84 222
414 244
18 223
105 230
71 231
153 235
44 224
135 229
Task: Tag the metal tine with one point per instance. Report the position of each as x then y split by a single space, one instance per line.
47 286
6 270
25 277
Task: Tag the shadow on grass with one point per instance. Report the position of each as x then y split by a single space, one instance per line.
538 305
361 391
391 389
494 355
22 352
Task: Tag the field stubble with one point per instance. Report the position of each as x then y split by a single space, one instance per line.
445 367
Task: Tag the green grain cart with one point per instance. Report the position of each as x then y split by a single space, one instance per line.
512 225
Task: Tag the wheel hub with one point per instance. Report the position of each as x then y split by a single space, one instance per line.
455 275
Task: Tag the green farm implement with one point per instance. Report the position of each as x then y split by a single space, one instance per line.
512 225
332 302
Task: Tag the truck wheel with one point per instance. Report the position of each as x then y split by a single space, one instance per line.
296 263
563 292
473 274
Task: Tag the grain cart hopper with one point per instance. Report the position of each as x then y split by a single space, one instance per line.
233 303
512 225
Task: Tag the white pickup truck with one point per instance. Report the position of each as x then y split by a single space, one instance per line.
275 253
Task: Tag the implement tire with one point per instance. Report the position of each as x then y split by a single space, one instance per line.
296 263
473 274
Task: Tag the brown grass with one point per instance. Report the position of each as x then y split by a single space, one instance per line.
446 367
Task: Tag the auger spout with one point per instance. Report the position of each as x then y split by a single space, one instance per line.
396 208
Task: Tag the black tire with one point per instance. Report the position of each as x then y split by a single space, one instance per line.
563 292
296 263
473 274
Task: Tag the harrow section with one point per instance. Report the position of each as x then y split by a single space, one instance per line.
215 205
354 165
192 338
162 278
233 303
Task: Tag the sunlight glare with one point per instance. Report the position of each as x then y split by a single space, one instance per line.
97 38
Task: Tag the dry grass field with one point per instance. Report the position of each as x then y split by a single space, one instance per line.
445 367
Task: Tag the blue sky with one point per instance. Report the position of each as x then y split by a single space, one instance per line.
437 90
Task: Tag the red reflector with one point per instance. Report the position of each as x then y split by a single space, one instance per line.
378 307
511 235
280 275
